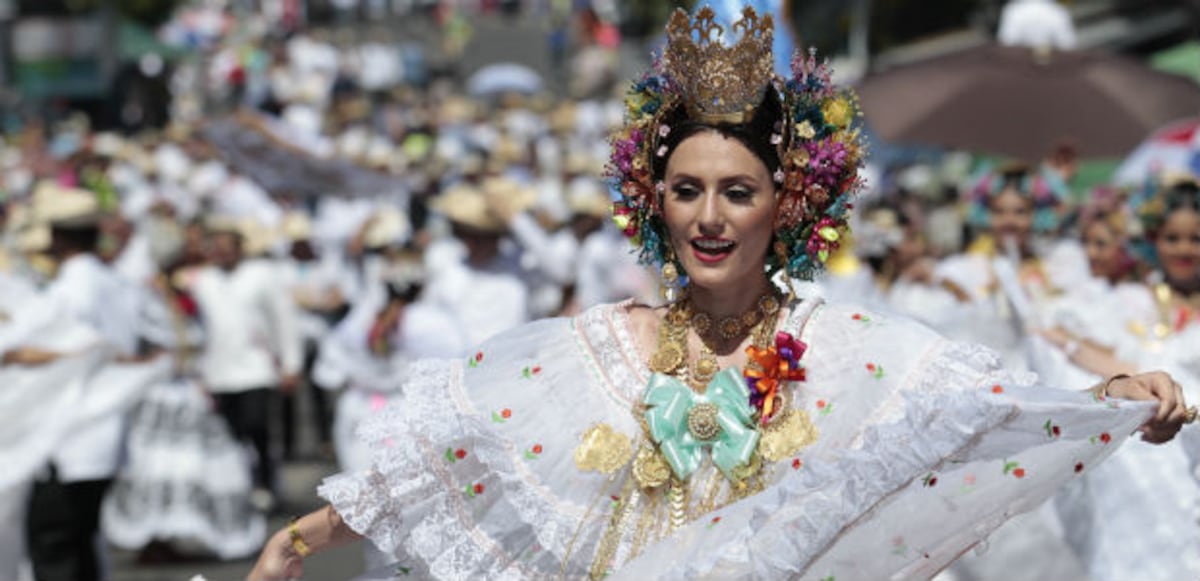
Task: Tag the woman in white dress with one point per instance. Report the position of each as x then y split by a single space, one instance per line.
894 271
1009 271
730 434
1136 326
185 485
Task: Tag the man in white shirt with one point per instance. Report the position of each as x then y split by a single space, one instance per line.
254 346
64 508
473 276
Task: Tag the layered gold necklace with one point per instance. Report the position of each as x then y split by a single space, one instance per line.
672 353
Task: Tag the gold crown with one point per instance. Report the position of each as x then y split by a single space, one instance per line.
719 83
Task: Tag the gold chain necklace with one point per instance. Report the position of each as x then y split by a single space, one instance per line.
671 356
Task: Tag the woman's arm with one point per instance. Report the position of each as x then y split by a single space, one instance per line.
283 556
1087 355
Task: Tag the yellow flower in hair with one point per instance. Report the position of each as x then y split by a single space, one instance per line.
804 130
634 104
838 112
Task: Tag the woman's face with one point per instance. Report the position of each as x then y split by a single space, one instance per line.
719 207
1011 217
1178 245
1104 252
912 247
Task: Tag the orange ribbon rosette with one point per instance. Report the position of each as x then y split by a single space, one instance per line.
769 368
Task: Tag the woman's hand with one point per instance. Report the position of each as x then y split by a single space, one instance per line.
316 531
30 356
278 561
1172 411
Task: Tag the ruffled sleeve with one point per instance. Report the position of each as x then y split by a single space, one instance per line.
474 475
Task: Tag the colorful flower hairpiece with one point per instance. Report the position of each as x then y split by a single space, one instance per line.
821 153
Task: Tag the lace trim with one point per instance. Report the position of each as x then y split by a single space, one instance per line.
413 479
608 347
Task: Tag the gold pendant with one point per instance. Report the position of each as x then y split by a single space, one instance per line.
667 359
704 370
786 435
603 450
650 468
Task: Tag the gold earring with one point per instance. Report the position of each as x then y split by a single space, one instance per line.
670 277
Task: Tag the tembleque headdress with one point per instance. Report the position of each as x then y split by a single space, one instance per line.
1153 203
1041 186
820 150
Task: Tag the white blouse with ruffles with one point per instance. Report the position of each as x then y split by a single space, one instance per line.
924 447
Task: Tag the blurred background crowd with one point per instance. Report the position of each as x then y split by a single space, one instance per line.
227 226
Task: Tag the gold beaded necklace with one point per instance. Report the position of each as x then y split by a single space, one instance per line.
671 356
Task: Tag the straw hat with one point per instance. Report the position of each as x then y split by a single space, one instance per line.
107 144
257 239
456 110
34 239
55 205
586 197
220 224
296 227
473 207
379 153
389 227
562 119
466 205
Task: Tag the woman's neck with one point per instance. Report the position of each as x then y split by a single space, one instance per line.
729 300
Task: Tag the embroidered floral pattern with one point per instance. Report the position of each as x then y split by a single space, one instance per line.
502 416
968 484
797 464
1103 438
899 547
1078 467
533 452
715 520
1052 429
476 360
1013 467
473 490
530 371
824 407
453 455
875 369
930 480
997 389
860 318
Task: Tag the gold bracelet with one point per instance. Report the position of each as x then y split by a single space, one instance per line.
1103 388
298 543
